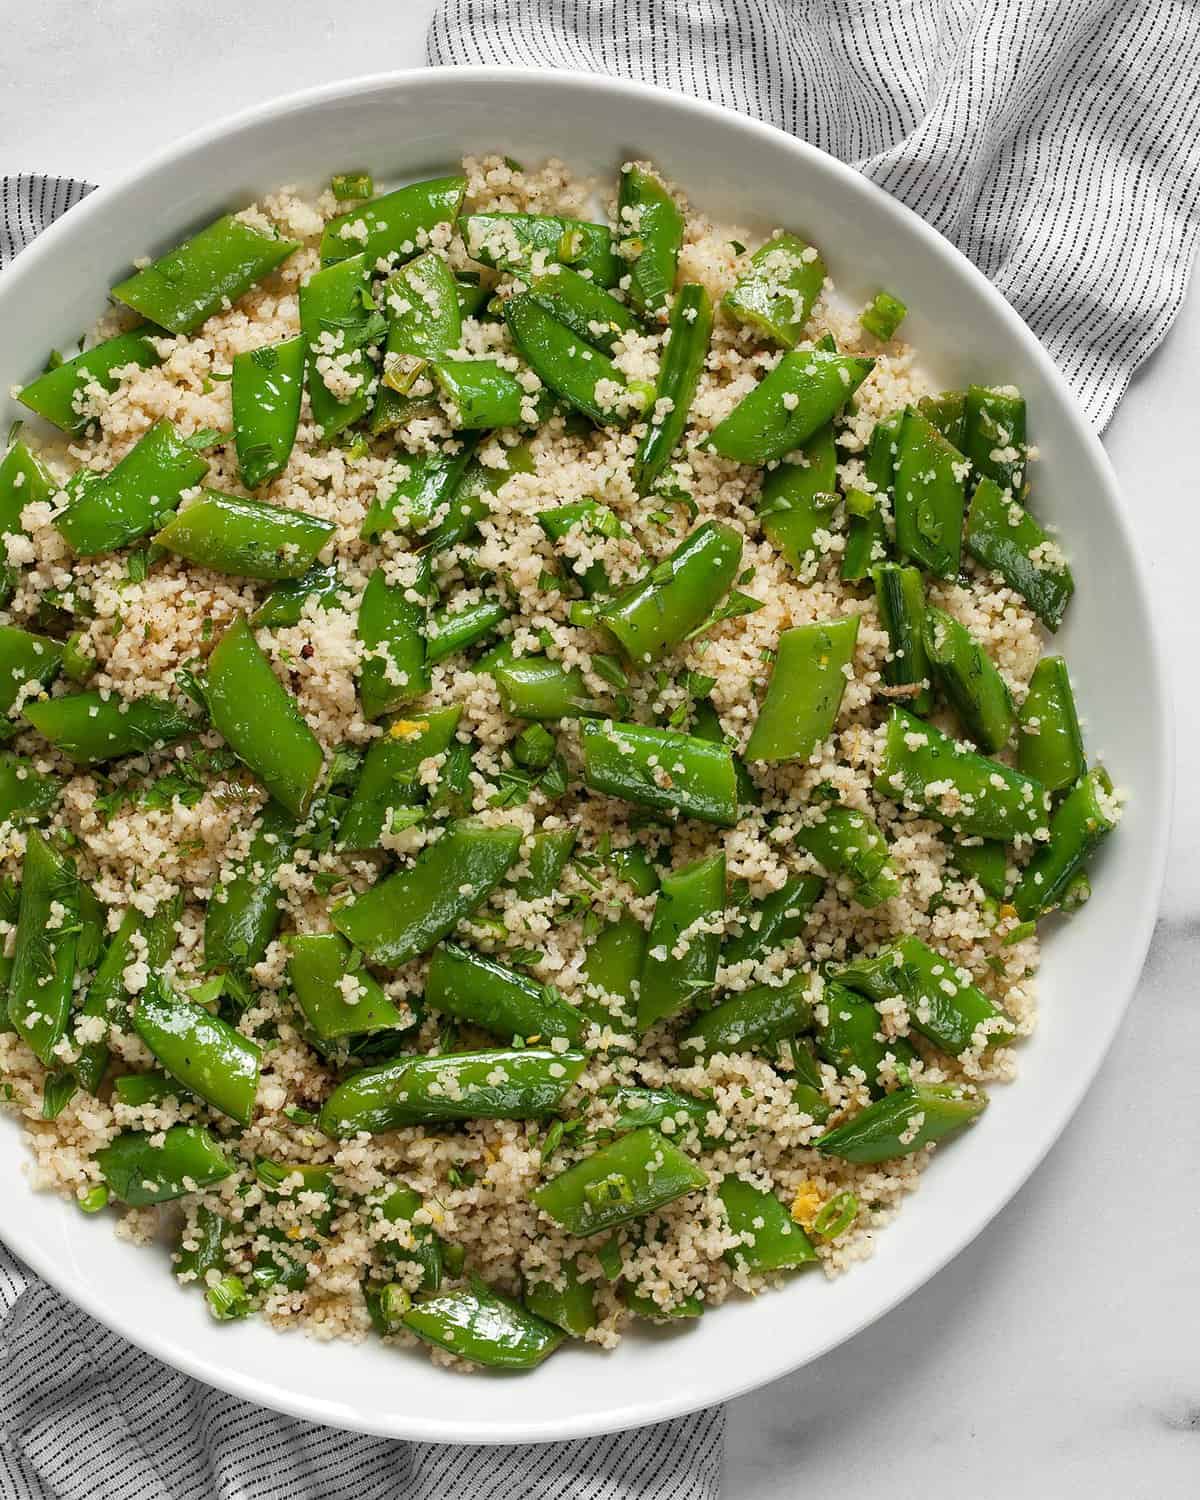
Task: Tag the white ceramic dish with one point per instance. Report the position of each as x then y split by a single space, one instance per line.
411 125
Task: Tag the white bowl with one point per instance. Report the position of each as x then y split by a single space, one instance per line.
412 125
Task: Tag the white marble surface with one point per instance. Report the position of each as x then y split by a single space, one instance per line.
1060 1355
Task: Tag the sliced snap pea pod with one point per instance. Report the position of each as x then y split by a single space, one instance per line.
472 500
770 1239
661 769
646 1307
678 376
250 538
26 794
480 1325
900 597
1085 816
47 942
657 613
845 841
423 493
930 496
680 967
479 394
633 866
805 691
25 659
773 921
948 414
994 435
183 288
866 536
391 627
883 316
111 510
881 452
337 323
776 295
595 520
636 1107
242 916
449 631
612 971
1049 741
902 1122
475 987
410 911
77 664
1003 536
61 395
140 1172
583 376
136 1090
93 922
525 242
318 965
105 993
284 605
808 1090
260 720
803 392
522 1083
633 1176
203 1052
400 1206
850 1036
754 1018
987 861
421 302
649 238
206 1234
924 768
969 680
23 481
535 687
390 774
392 225
265 392
568 1302
943 1004
584 306
547 858
799 501
93 727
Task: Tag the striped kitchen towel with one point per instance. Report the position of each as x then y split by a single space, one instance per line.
1055 142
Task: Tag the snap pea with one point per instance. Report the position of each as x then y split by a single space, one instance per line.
584 306
1049 741
900 597
111 510
943 1004
104 994
568 1302
661 769
480 1325
93 727
536 687
479 394
930 496
183 288
391 628
799 500
93 923
23 481
421 302
318 962
548 853
946 413
136 1090
338 321
26 794
808 1090
471 500
969 680
773 921
776 295
399 1206
583 376
266 391
44 960
250 538
690 901
805 691
902 1122
633 1176
595 520
524 242
522 1083
635 1107
971 793
24 659
260 720
1086 815
187 1159
475 987
448 631
866 536
678 376
1004 537
77 664
203 1052
646 1307
423 492
61 395
986 860
612 971
207 1233
850 1036
242 916
994 436
883 315
410 911
770 1238
649 238
284 605
845 841
753 1019
882 446
391 226
803 392
390 774
656 614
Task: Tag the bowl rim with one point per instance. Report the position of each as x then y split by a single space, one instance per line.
769 1365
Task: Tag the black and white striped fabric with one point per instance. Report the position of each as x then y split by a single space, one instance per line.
1055 142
